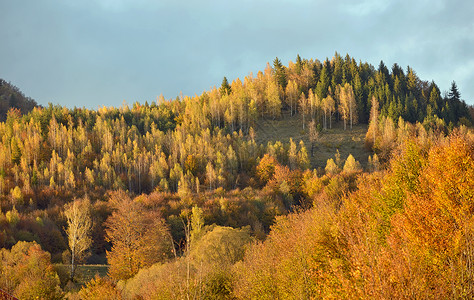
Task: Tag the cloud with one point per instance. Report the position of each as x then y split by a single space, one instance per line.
104 51
365 7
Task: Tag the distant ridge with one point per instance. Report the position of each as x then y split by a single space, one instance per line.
12 97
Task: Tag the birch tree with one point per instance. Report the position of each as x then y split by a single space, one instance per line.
304 107
79 224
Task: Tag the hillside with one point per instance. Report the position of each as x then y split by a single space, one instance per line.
12 97
329 142
185 196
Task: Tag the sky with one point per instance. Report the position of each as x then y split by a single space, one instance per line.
93 53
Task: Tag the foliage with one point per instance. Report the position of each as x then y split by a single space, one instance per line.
79 225
403 233
232 157
12 98
99 288
27 273
221 247
139 237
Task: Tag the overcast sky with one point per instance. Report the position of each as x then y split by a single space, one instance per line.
102 52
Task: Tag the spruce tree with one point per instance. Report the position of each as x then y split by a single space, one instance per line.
280 72
225 87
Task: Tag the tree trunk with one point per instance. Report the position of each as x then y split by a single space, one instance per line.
73 269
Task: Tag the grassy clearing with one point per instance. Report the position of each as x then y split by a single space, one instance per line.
84 273
346 141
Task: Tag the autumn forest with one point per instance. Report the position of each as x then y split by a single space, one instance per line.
216 196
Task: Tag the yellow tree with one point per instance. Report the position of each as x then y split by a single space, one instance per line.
314 103
313 135
328 106
372 132
292 94
273 99
79 225
343 105
351 165
352 104
430 249
304 107
347 104
26 272
139 237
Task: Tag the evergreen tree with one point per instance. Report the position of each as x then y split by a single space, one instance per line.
323 83
225 87
280 72
454 94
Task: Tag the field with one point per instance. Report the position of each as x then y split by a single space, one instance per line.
346 141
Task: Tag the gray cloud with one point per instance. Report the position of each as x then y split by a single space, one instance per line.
85 53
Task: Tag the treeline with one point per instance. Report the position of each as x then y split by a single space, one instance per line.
333 90
12 97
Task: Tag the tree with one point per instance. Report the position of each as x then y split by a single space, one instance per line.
323 83
266 168
293 155
280 72
17 196
273 99
351 104
454 94
331 167
328 106
314 104
79 225
351 165
225 87
347 103
298 260
304 107
435 99
26 272
139 237
292 94
303 160
313 135
431 244
210 175
100 289
343 103
372 132
221 247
